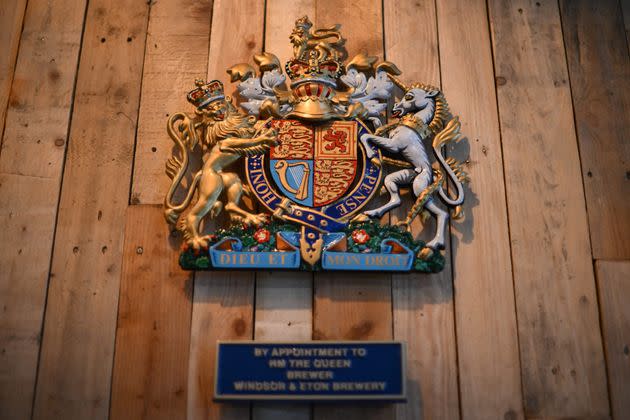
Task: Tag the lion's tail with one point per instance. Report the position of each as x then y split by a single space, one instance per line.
182 131
332 32
172 212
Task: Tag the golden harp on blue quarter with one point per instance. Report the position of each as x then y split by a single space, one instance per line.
308 143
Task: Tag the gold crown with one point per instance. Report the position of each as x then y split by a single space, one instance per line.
326 71
205 93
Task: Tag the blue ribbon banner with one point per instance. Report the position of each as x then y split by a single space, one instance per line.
383 261
321 371
236 258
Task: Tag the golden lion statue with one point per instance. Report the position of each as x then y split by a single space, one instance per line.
326 42
226 135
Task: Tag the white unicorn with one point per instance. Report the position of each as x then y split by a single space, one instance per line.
422 112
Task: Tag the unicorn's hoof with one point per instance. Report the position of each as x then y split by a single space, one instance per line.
360 218
372 214
425 253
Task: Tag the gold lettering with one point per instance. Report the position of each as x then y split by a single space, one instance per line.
378 260
342 209
261 188
258 176
267 197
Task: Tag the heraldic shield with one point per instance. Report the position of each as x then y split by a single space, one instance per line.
315 151
314 164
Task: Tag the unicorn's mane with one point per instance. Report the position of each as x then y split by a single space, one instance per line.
442 112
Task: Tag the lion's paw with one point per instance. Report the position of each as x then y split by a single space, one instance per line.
199 242
255 219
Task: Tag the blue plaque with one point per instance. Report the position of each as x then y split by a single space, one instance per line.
318 370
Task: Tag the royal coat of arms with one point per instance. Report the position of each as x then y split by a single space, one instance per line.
309 145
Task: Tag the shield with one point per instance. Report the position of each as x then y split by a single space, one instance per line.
314 164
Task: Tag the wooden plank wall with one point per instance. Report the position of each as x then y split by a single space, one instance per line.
484 294
31 167
528 320
11 19
77 351
153 331
612 282
562 361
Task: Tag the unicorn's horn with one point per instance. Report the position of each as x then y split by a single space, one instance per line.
392 71
397 82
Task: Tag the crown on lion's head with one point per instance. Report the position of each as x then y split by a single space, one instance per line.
205 93
304 22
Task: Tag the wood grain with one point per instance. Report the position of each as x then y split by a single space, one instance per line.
176 55
78 343
563 372
625 6
353 306
223 301
422 304
31 165
423 319
11 20
487 342
152 336
599 71
222 310
613 283
237 34
284 300
571 418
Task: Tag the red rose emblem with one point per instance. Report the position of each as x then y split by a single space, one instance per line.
360 236
262 235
